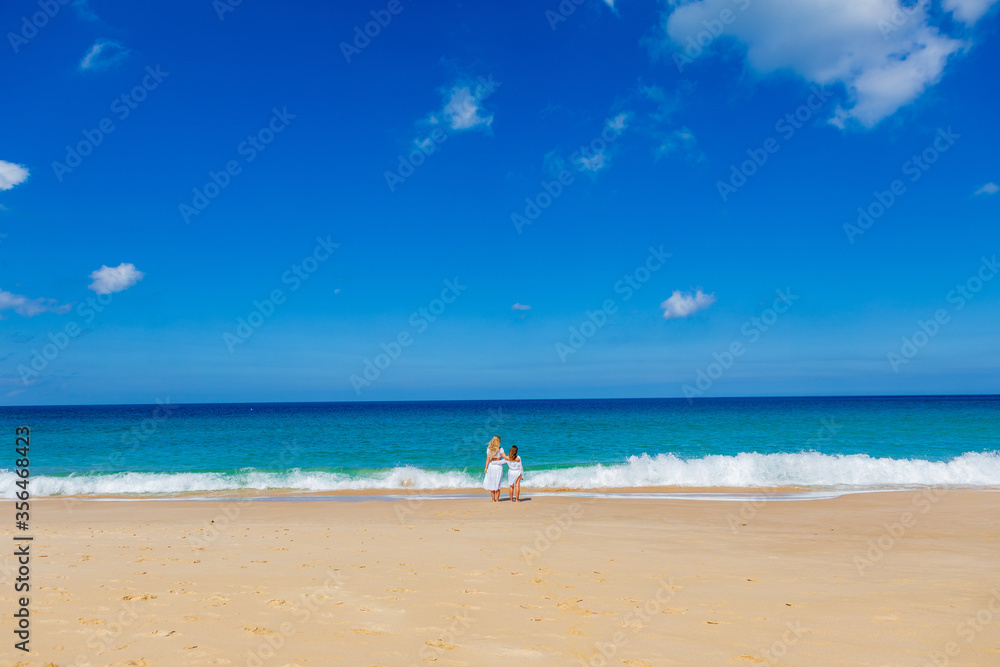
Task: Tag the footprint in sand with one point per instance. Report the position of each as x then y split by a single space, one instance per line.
469 591
529 606
278 603
442 644
258 631
91 621
139 596
749 658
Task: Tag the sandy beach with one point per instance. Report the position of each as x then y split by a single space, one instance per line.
896 578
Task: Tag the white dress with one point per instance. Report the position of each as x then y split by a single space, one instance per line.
494 472
514 470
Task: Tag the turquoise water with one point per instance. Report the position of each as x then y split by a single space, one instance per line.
856 442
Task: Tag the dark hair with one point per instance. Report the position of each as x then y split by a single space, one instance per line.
513 450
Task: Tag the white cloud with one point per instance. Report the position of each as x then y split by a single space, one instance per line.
462 110
681 304
11 174
103 54
968 11
619 122
594 163
988 189
520 306
114 279
22 305
883 54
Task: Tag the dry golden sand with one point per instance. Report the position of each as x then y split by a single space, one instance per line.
468 582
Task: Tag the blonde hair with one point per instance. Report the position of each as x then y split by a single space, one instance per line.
494 446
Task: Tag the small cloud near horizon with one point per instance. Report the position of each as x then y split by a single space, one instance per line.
520 306
988 189
108 280
26 307
682 304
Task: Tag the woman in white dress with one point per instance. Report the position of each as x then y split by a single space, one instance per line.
495 460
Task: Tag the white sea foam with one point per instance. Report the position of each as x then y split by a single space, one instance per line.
747 470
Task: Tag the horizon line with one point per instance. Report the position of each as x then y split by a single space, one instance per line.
488 400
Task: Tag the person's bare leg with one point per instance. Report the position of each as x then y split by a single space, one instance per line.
517 485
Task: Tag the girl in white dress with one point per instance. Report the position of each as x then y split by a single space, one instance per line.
495 459
515 470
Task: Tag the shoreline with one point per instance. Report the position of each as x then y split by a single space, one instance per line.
710 493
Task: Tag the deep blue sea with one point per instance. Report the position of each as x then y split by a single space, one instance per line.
838 443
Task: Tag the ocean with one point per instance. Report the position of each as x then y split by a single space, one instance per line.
842 443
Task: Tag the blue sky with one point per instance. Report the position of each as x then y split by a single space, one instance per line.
694 165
